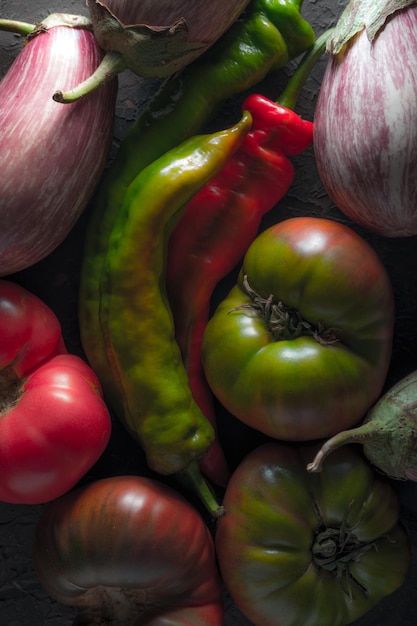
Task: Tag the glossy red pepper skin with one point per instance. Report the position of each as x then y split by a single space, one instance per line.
216 229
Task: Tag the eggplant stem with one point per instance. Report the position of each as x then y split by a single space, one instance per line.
111 65
192 478
15 26
355 435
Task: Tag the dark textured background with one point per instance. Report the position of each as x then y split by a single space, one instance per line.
55 280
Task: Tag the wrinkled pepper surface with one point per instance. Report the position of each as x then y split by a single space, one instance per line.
223 218
264 39
146 380
269 34
217 228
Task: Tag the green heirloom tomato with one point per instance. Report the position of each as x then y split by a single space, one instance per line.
313 549
299 349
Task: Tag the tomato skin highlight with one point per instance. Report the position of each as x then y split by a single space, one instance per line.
306 384
274 544
54 423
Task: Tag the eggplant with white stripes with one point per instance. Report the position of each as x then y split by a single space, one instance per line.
365 125
52 155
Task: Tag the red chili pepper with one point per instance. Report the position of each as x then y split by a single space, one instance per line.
219 224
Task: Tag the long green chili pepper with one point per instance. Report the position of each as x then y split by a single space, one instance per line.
149 386
223 218
250 49
268 34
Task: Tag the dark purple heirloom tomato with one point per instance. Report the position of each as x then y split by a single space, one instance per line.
127 551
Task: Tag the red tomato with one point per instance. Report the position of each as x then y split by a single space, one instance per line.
54 422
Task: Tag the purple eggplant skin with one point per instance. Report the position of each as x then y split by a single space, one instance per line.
365 128
52 155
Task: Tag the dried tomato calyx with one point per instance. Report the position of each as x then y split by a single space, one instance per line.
282 321
333 546
335 550
10 389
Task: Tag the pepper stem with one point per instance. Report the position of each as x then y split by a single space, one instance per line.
192 478
295 85
111 65
15 26
354 435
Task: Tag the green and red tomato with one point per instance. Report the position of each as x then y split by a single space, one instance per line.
313 549
300 347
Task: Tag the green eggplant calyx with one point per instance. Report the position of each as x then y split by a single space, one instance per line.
54 19
65 19
149 51
283 322
388 433
358 15
391 448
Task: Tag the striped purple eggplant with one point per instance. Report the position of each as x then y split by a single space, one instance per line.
52 155
365 126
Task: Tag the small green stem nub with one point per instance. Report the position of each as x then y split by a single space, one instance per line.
111 65
14 26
